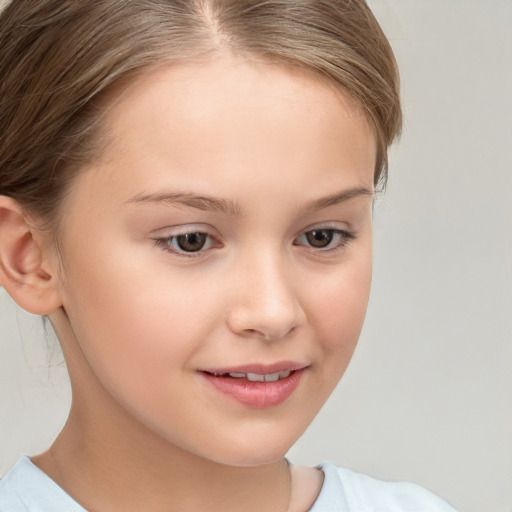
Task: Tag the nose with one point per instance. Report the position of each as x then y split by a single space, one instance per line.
266 303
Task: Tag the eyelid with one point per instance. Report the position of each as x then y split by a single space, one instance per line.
183 229
346 234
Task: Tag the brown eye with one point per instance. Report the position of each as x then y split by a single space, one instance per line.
320 238
189 245
191 242
325 240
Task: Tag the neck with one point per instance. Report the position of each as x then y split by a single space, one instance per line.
117 464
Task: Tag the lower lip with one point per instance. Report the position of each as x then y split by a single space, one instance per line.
258 395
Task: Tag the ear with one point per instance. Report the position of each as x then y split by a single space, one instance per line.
25 275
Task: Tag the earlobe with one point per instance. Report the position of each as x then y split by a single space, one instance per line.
22 272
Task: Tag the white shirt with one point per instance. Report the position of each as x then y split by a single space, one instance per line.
26 488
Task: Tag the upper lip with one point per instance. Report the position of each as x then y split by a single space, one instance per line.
259 368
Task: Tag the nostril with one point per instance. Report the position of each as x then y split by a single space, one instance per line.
269 334
253 333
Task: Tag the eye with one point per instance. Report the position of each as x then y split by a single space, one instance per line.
325 238
186 243
191 242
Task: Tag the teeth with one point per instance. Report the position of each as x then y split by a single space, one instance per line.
256 377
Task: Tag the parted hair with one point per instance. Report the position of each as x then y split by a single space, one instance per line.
60 59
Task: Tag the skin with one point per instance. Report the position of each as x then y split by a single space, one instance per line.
137 322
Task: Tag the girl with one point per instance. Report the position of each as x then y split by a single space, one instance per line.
186 190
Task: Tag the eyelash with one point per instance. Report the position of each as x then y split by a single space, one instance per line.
344 239
165 244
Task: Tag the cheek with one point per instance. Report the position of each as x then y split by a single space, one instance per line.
139 330
338 311
134 320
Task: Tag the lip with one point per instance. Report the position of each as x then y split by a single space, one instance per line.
256 395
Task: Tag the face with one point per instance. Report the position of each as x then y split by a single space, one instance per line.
216 263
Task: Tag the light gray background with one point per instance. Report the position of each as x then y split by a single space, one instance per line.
427 397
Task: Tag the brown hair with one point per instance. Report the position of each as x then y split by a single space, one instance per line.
58 59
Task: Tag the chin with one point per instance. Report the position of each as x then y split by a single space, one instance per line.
255 457
254 450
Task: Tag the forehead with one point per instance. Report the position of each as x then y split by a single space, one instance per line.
229 91
229 119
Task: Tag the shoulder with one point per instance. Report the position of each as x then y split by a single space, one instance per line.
348 491
25 488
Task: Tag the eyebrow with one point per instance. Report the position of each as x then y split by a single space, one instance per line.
339 197
205 203
231 208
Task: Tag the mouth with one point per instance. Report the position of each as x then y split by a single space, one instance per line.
256 386
255 377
